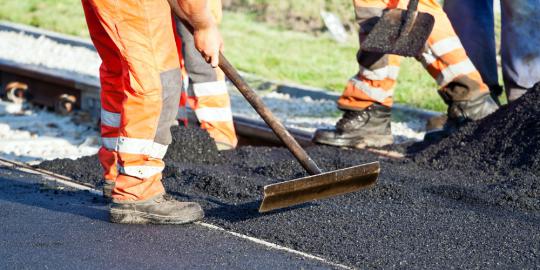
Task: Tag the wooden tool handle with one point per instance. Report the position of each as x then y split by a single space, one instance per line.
278 128
413 5
410 16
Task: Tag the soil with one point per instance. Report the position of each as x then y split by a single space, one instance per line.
469 201
291 15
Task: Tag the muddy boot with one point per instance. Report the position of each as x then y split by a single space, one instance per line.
366 128
159 210
107 190
461 112
475 109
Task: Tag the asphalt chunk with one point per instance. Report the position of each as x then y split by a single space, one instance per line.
471 205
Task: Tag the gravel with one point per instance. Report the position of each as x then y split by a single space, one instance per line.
317 113
30 134
44 52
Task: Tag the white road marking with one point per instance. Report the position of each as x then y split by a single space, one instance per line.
274 246
64 181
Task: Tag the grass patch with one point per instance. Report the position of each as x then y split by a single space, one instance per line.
254 47
317 61
286 55
64 16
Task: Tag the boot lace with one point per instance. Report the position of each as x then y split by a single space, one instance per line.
349 116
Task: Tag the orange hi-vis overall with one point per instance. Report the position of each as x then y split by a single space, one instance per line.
444 58
207 92
141 84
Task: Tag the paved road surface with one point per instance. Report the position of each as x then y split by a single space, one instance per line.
48 227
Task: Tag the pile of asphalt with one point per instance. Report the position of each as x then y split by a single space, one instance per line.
508 141
503 150
427 211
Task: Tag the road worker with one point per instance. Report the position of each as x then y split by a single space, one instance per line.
207 92
474 22
368 96
141 83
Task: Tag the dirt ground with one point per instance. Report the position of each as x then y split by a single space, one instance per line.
471 200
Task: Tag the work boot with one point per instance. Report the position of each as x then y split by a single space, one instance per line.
475 109
466 102
159 210
366 128
107 189
459 113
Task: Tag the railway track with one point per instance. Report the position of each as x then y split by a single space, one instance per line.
66 91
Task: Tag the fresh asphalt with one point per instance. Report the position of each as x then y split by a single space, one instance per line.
47 226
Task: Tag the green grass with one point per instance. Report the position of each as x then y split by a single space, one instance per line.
64 16
286 55
317 61
417 88
254 47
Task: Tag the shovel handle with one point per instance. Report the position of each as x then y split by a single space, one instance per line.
278 128
412 9
412 6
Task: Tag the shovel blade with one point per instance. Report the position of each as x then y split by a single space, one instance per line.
319 186
389 35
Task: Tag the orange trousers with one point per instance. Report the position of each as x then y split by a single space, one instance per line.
444 58
141 84
207 94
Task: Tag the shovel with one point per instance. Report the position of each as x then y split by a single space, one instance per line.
401 32
317 186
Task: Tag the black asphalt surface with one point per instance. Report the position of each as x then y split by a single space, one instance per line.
46 227
414 218
470 201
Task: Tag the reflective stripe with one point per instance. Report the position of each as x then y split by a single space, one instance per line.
210 88
110 119
454 71
445 46
377 94
141 147
185 82
140 171
429 58
214 114
388 72
158 150
109 143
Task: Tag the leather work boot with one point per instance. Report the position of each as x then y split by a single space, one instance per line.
466 102
366 128
460 112
475 109
159 210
